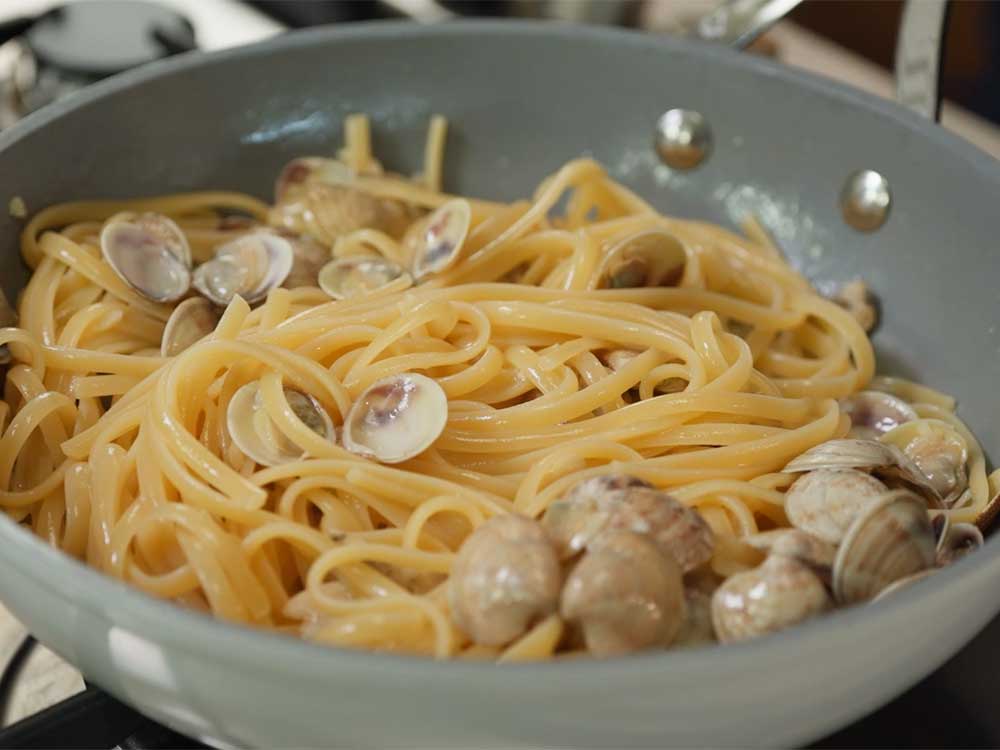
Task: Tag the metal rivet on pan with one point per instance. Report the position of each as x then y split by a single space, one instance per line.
865 200
683 138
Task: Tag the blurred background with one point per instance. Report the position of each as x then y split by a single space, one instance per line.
49 48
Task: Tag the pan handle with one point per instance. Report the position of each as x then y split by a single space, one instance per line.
918 49
918 56
738 23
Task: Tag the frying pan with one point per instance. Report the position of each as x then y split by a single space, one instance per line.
522 99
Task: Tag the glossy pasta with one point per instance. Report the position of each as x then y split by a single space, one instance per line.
122 458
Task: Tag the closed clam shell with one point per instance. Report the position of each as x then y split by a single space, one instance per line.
253 432
806 548
192 320
903 583
938 451
588 512
504 579
883 459
891 539
435 242
625 595
779 593
150 254
396 418
649 258
874 413
250 267
824 502
352 276
298 172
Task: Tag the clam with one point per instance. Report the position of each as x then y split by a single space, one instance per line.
624 595
311 169
191 321
649 258
902 583
8 317
504 579
777 594
357 275
891 539
696 630
824 502
595 488
396 418
250 266
150 253
255 434
436 240
860 302
308 258
958 540
807 549
938 451
590 510
874 413
884 460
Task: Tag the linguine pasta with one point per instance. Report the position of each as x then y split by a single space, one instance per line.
707 388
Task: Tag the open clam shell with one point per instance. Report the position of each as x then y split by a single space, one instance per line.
250 266
396 418
940 453
892 539
649 258
357 275
255 434
436 241
882 459
150 253
874 413
190 322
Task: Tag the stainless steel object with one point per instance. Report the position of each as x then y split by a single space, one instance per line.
865 200
683 138
739 22
918 56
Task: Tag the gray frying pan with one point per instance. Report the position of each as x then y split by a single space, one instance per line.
522 99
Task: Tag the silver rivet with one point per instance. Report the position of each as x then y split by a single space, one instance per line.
683 138
865 200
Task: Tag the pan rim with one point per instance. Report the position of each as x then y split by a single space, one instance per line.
170 624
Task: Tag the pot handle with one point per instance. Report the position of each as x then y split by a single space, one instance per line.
918 56
738 23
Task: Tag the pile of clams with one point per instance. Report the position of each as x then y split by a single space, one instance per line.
624 565
152 255
616 558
